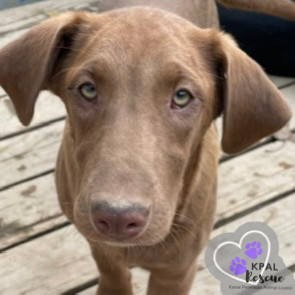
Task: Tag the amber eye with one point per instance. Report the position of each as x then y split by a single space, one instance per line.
182 98
88 91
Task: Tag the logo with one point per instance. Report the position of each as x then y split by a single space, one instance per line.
247 262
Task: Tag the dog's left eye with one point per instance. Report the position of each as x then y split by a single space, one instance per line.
181 98
88 91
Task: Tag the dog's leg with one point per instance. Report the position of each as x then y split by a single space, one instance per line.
115 278
171 281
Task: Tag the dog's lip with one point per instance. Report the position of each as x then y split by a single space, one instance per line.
121 244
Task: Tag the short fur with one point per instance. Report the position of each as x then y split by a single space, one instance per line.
129 145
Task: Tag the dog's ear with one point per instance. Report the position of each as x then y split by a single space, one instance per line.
27 63
252 106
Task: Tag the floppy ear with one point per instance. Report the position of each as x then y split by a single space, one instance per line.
252 106
26 63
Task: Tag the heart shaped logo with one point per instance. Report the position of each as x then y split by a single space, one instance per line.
251 252
247 261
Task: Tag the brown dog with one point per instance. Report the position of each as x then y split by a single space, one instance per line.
137 168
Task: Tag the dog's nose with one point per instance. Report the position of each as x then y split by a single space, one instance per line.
119 222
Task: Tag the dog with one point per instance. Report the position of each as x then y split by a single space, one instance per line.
137 167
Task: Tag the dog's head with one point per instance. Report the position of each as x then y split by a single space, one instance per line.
141 88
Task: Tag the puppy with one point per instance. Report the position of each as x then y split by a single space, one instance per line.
137 167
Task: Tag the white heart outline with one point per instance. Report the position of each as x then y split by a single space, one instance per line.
240 246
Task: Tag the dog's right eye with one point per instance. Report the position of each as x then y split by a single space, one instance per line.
88 91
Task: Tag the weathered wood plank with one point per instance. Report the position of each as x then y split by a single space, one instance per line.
48 265
5 39
48 107
28 209
16 21
19 14
281 81
289 94
20 25
29 154
255 177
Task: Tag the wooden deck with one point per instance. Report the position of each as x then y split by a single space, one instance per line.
42 253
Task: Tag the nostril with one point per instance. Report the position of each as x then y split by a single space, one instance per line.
132 228
132 225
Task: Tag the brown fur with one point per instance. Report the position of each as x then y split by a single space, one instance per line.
129 145
281 8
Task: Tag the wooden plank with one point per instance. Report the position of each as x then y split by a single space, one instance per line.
281 81
6 4
20 25
4 40
255 177
29 154
2 92
289 94
19 14
48 265
28 209
48 107
17 21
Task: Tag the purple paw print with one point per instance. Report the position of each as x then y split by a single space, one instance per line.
238 266
253 250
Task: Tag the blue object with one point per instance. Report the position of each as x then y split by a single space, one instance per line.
5 4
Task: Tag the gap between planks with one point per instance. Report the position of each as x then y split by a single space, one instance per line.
49 108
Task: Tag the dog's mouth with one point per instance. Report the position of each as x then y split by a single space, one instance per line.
122 244
146 238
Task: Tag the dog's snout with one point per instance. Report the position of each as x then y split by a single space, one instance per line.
119 222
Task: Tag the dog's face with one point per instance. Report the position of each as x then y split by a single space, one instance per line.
141 88
138 104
